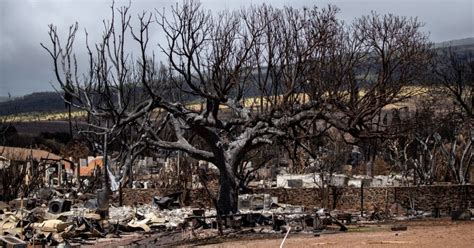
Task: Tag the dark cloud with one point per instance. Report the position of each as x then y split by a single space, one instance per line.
25 67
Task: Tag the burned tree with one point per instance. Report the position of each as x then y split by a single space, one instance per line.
372 64
454 77
454 71
380 61
108 92
217 60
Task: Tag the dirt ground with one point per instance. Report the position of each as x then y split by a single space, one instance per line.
419 234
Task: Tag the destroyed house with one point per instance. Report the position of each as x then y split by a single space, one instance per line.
53 168
91 166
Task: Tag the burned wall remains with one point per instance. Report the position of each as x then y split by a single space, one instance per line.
443 197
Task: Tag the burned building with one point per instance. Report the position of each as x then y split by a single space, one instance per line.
30 168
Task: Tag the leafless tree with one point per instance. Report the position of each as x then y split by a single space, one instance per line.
377 59
216 59
435 153
399 156
455 72
454 78
458 153
327 160
370 65
108 91
438 148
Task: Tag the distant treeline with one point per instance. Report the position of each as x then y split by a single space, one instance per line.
35 102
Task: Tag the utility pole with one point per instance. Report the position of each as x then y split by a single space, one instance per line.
106 173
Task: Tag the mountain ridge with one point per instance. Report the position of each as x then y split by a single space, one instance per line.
458 42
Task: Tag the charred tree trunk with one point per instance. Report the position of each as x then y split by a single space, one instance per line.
227 198
130 176
103 195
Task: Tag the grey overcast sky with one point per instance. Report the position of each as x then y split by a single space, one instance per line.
25 67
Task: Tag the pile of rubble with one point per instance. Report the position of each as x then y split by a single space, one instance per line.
42 221
53 220
37 221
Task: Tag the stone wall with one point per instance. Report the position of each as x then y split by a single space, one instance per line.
430 197
444 197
